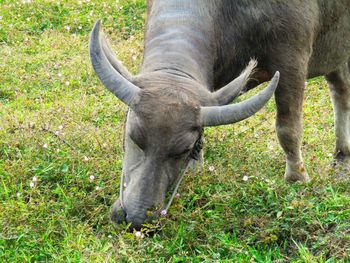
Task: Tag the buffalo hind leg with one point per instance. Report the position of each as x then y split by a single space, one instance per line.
289 100
339 84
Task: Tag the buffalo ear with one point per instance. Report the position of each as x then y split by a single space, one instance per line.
227 114
228 93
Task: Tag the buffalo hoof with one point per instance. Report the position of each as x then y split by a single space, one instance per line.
341 166
296 173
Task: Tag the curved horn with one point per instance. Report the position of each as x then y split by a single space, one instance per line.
111 79
222 115
115 62
228 93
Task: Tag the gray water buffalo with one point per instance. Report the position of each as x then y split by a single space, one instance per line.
201 54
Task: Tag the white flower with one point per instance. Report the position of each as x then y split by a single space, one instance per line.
245 178
80 27
138 234
97 188
163 212
60 127
92 177
35 179
57 133
109 236
86 159
67 83
31 184
211 168
18 195
59 75
45 145
124 185
178 196
67 28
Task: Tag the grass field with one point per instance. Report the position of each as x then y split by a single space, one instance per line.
61 155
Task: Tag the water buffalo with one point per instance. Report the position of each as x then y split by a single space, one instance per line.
197 59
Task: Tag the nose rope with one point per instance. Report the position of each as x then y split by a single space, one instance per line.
175 190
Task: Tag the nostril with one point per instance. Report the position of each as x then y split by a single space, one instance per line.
136 221
118 215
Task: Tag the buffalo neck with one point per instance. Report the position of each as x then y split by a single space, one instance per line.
178 40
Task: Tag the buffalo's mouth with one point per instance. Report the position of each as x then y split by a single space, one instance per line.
136 220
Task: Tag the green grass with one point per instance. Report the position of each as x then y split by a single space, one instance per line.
47 86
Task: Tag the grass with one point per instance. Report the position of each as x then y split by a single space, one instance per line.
59 126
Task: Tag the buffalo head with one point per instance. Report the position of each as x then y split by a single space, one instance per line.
165 119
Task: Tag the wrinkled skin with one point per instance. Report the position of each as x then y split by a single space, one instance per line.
193 50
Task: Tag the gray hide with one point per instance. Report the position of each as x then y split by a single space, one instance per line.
195 63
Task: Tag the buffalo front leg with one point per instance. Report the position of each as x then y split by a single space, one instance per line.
289 100
339 84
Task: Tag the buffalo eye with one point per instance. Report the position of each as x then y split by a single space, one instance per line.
180 154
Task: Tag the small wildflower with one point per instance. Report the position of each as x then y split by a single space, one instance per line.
57 133
109 236
60 127
134 58
211 168
45 145
28 18
163 212
59 75
67 83
80 27
67 28
178 196
31 184
92 177
35 179
97 188
138 234
124 185
18 195
245 178
86 159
